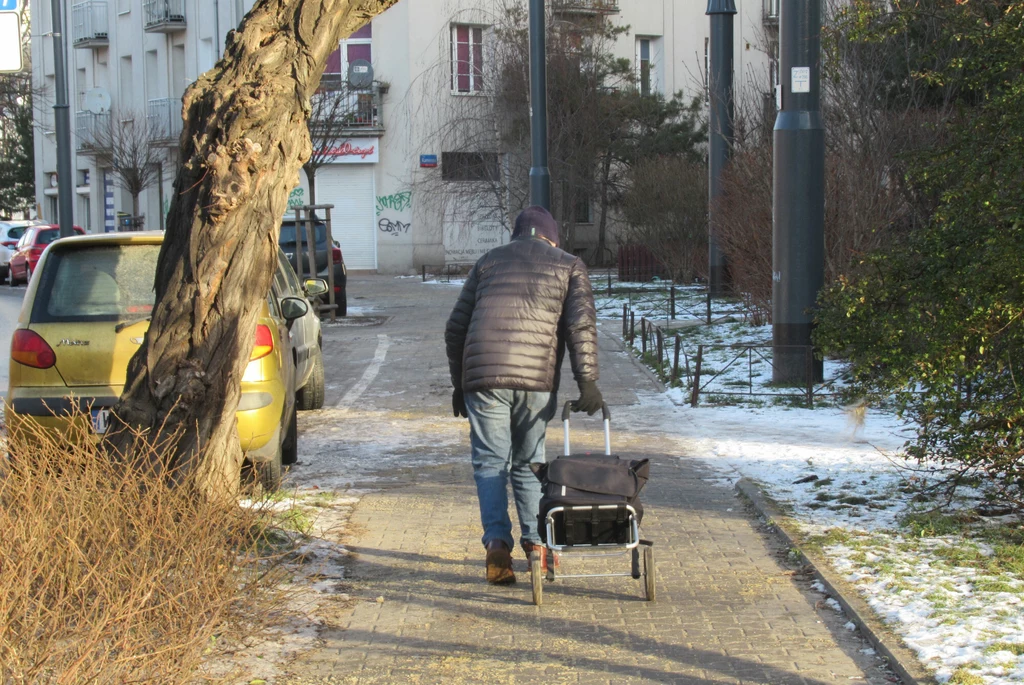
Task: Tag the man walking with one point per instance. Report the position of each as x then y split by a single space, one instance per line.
522 304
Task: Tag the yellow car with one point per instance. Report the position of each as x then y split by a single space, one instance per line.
86 311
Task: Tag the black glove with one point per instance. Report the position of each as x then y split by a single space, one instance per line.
590 399
459 404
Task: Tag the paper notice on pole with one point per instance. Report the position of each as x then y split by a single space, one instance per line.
801 79
10 42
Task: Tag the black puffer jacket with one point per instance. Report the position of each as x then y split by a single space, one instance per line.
521 305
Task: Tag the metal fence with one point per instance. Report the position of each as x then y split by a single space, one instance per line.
89 21
674 365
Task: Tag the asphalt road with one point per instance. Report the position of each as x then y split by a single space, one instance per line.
10 307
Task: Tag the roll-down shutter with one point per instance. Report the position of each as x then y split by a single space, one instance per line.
350 188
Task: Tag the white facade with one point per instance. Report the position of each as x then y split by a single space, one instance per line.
144 62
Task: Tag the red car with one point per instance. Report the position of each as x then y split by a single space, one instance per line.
30 247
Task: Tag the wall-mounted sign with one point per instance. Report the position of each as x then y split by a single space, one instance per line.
428 161
354 151
9 5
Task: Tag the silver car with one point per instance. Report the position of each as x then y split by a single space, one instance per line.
10 233
305 336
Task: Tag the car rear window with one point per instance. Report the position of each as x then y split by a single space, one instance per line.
15 232
288 234
101 283
48 236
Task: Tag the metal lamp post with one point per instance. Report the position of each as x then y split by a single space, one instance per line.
62 126
540 178
798 215
720 134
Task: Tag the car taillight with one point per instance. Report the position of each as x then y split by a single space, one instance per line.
336 254
29 348
264 343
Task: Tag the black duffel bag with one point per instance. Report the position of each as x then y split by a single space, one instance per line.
599 486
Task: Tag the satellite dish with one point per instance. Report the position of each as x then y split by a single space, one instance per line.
97 100
360 74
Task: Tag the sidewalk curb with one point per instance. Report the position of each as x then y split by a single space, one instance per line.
902 661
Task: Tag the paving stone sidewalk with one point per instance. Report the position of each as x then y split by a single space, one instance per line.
730 607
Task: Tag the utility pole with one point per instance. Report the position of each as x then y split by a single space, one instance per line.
798 215
540 178
62 121
720 136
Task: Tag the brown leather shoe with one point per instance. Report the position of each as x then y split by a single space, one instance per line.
499 564
529 547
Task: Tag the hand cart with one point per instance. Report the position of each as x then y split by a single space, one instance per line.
627 541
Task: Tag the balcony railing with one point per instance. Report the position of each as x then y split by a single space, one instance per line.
346 111
585 6
164 16
92 130
89 24
163 119
771 12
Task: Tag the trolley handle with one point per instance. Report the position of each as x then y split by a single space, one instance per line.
606 416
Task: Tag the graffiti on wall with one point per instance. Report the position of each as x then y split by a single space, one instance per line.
396 202
392 227
297 198
396 209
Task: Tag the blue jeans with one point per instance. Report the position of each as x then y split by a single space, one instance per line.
507 429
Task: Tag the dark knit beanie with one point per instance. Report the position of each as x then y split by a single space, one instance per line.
536 222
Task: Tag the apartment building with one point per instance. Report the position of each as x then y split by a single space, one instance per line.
130 61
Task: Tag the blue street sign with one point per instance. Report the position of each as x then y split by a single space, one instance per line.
8 5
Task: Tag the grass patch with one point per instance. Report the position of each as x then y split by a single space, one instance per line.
1015 648
962 676
822 483
995 585
824 497
854 500
932 524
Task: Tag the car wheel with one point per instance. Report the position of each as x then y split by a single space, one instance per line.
269 471
5 273
28 275
290 449
13 281
311 396
342 302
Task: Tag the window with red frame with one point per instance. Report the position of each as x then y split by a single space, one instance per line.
467 58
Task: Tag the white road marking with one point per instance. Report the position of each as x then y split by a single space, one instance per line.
357 390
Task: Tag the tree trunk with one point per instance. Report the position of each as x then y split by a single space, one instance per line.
135 204
244 140
602 227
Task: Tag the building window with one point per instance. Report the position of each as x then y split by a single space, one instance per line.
648 80
469 166
356 46
467 58
584 210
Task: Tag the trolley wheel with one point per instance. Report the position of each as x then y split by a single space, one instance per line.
635 556
536 578
649 572
552 561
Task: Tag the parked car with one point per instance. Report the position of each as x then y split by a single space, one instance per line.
86 313
30 247
307 340
287 242
10 234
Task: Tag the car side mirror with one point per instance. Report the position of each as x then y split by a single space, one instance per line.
293 308
315 287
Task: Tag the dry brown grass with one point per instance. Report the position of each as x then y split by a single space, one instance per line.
107 575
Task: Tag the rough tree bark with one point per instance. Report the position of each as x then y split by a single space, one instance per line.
245 137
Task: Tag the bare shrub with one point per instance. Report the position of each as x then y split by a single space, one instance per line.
107 574
874 120
666 206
